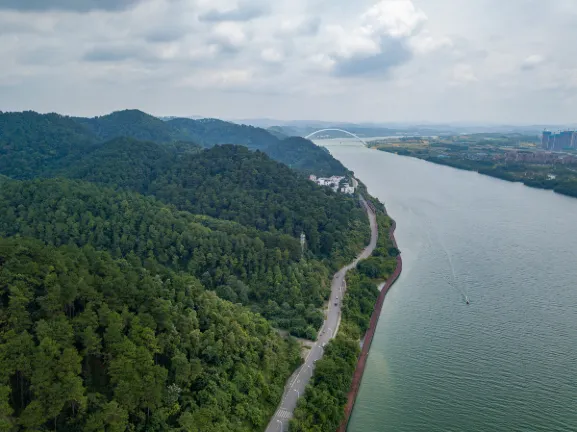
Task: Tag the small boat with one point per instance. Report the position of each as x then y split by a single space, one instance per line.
467 300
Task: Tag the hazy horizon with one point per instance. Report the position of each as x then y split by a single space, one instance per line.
269 122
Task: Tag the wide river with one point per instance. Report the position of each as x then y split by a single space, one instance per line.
506 362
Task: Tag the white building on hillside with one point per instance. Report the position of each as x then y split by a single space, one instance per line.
334 182
347 189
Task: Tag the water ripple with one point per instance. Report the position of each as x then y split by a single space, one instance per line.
508 361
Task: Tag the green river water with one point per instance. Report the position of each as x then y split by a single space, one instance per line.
506 362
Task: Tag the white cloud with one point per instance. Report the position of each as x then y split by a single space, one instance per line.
463 73
271 55
425 43
229 57
396 18
532 61
230 34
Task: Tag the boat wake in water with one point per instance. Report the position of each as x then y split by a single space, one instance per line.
452 279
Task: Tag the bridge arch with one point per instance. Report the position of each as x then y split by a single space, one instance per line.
338 130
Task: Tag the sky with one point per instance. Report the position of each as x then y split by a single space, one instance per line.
493 61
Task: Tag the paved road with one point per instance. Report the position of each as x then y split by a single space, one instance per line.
298 381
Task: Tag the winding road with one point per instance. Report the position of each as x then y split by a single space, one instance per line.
297 383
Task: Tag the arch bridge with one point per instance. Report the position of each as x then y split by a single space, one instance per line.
337 130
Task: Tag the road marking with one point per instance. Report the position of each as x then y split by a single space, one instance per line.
284 414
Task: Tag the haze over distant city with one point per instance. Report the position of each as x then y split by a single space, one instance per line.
339 60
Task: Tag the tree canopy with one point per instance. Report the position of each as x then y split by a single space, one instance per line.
43 141
143 277
31 142
91 343
259 269
233 183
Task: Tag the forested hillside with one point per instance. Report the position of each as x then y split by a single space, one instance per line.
233 183
90 343
142 276
41 141
211 132
31 142
255 268
298 153
128 123
291 151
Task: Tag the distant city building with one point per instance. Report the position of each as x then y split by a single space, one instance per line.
558 141
545 140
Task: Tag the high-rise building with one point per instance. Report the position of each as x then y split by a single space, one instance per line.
564 141
545 140
559 141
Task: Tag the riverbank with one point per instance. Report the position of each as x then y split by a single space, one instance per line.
368 339
515 173
325 399
327 344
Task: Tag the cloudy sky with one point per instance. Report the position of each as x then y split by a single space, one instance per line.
504 61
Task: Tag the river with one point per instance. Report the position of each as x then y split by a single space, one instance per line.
506 362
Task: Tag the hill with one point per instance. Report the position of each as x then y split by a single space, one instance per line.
40 141
31 142
233 183
278 132
129 284
140 290
91 343
128 123
300 154
224 182
255 268
211 132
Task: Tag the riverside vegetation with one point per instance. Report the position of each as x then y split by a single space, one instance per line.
142 283
487 154
322 407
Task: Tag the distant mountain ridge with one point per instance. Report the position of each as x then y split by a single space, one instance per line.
376 129
50 134
209 132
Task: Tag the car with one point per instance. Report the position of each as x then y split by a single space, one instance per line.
336 303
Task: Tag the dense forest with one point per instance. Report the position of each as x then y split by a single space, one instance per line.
31 142
227 182
233 183
145 270
51 139
91 343
260 269
291 151
211 132
128 123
